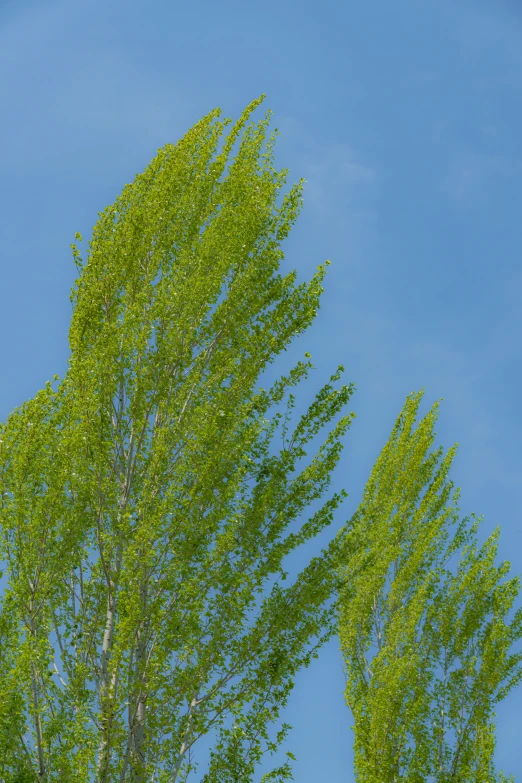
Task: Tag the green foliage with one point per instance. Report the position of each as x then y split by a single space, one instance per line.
147 504
427 647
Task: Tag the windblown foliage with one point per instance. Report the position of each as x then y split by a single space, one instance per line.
427 648
147 503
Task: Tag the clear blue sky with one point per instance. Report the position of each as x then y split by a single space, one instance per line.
404 117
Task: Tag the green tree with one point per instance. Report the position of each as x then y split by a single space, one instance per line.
149 500
426 646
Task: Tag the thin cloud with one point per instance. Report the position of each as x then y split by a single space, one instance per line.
26 28
335 174
110 95
481 28
336 168
471 176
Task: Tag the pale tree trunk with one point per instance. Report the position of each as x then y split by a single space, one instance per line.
138 728
42 773
106 685
42 776
186 739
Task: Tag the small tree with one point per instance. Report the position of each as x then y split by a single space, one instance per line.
146 505
427 649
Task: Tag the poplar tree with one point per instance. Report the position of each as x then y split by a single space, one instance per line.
424 626
150 497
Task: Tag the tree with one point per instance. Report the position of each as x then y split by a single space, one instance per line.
427 648
148 501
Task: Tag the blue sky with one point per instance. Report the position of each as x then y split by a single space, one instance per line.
404 118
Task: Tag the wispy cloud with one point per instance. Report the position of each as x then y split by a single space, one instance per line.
110 94
337 167
489 27
341 189
472 174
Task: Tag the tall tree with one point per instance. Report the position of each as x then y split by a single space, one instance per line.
426 646
148 502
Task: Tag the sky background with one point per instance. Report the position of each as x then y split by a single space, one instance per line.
404 118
